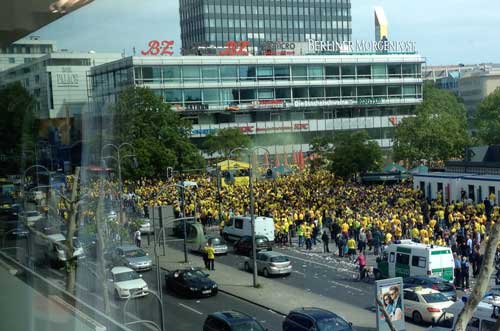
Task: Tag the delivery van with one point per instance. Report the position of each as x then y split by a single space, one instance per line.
407 258
240 226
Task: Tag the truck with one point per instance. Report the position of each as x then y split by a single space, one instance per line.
240 226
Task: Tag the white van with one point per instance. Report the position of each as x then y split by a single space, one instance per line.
407 258
240 226
56 252
483 319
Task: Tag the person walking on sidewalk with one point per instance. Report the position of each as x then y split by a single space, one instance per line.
325 238
464 273
205 256
137 238
300 233
210 251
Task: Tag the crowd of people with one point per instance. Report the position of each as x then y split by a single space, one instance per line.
320 207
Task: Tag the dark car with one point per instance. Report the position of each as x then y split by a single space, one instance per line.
192 283
244 245
231 321
435 283
306 319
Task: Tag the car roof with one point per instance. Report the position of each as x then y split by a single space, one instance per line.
232 316
272 253
431 279
56 237
120 270
421 290
316 313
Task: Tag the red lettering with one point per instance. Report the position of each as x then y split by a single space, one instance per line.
301 126
235 48
167 47
246 129
154 48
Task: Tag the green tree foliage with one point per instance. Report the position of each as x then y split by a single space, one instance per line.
160 137
487 119
17 127
438 131
224 140
354 154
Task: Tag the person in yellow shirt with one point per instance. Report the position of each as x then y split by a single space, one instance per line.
210 252
351 247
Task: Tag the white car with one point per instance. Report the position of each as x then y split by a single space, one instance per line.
424 304
30 217
127 282
145 226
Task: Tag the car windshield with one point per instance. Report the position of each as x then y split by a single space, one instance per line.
280 258
261 240
125 276
332 324
194 274
434 297
135 253
247 326
216 241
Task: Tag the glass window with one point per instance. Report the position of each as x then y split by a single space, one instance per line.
299 72
229 96
211 96
394 91
281 73
364 72
332 72
348 92
173 96
394 70
409 90
266 94
264 73
300 93
147 74
316 72
379 71
332 92
380 91
418 261
191 73
247 95
210 73
247 72
402 259
348 71
192 95
172 74
316 92
364 91
229 73
283 93
409 70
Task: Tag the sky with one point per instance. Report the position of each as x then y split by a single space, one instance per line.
446 31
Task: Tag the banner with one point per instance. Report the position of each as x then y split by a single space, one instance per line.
390 293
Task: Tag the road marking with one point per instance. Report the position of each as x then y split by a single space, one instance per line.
192 309
346 286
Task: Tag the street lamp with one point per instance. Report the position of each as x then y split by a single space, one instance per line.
118 158
134 295
251 151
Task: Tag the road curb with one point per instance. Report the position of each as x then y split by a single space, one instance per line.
243 299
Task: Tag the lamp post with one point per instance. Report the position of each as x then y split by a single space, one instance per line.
251 151
118 158
134 295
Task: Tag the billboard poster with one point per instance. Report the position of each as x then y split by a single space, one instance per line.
390 293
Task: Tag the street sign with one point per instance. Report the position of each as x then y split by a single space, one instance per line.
390 294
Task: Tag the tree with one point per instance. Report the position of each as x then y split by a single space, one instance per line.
159 135
438 131
354 154
17 127
322 148
224 140
487 119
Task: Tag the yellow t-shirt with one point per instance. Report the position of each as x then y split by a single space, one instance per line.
351 244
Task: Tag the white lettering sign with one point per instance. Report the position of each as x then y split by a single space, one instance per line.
67 80
362 46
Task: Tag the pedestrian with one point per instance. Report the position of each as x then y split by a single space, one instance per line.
210 251
351 246
465 273
325 238
205 256
361 261
457 269
340 244
314 234
137 238
307 236
300 233
362 240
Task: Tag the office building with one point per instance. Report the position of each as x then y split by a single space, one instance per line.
24 51
477 84
381 24
215 22
282 102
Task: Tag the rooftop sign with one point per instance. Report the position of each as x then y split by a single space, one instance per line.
362 46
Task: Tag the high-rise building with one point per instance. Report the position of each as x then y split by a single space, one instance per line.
215 22
24 51
381 24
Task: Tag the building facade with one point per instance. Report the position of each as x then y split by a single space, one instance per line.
215 22
476 85
24 51
280 101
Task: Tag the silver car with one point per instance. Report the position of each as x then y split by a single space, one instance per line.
270 263
131 256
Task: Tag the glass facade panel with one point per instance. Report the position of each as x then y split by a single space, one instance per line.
300 92
191 73
283 93
264 73
332 92
364 91
210 73
348 72
409 70
171 74
229 73
281 72
192 96
316 72
266 94
364 72
332 72
379 71
229 96
247 95
394 70
394 91
147 74
380 91
247 72
348 92
317 92
211 96
299 72
173 96
409 90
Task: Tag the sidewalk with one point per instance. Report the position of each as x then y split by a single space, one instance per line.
272 294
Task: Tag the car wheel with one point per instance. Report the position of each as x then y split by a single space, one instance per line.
247 266
265 272
417 317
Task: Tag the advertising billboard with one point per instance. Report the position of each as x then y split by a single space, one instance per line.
390 294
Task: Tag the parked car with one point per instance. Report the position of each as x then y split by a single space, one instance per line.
306 319
435 283
270 263
244 245
31 217
130 256
231 321
218 243
424 304
145 226
191 283
127 282
55 250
